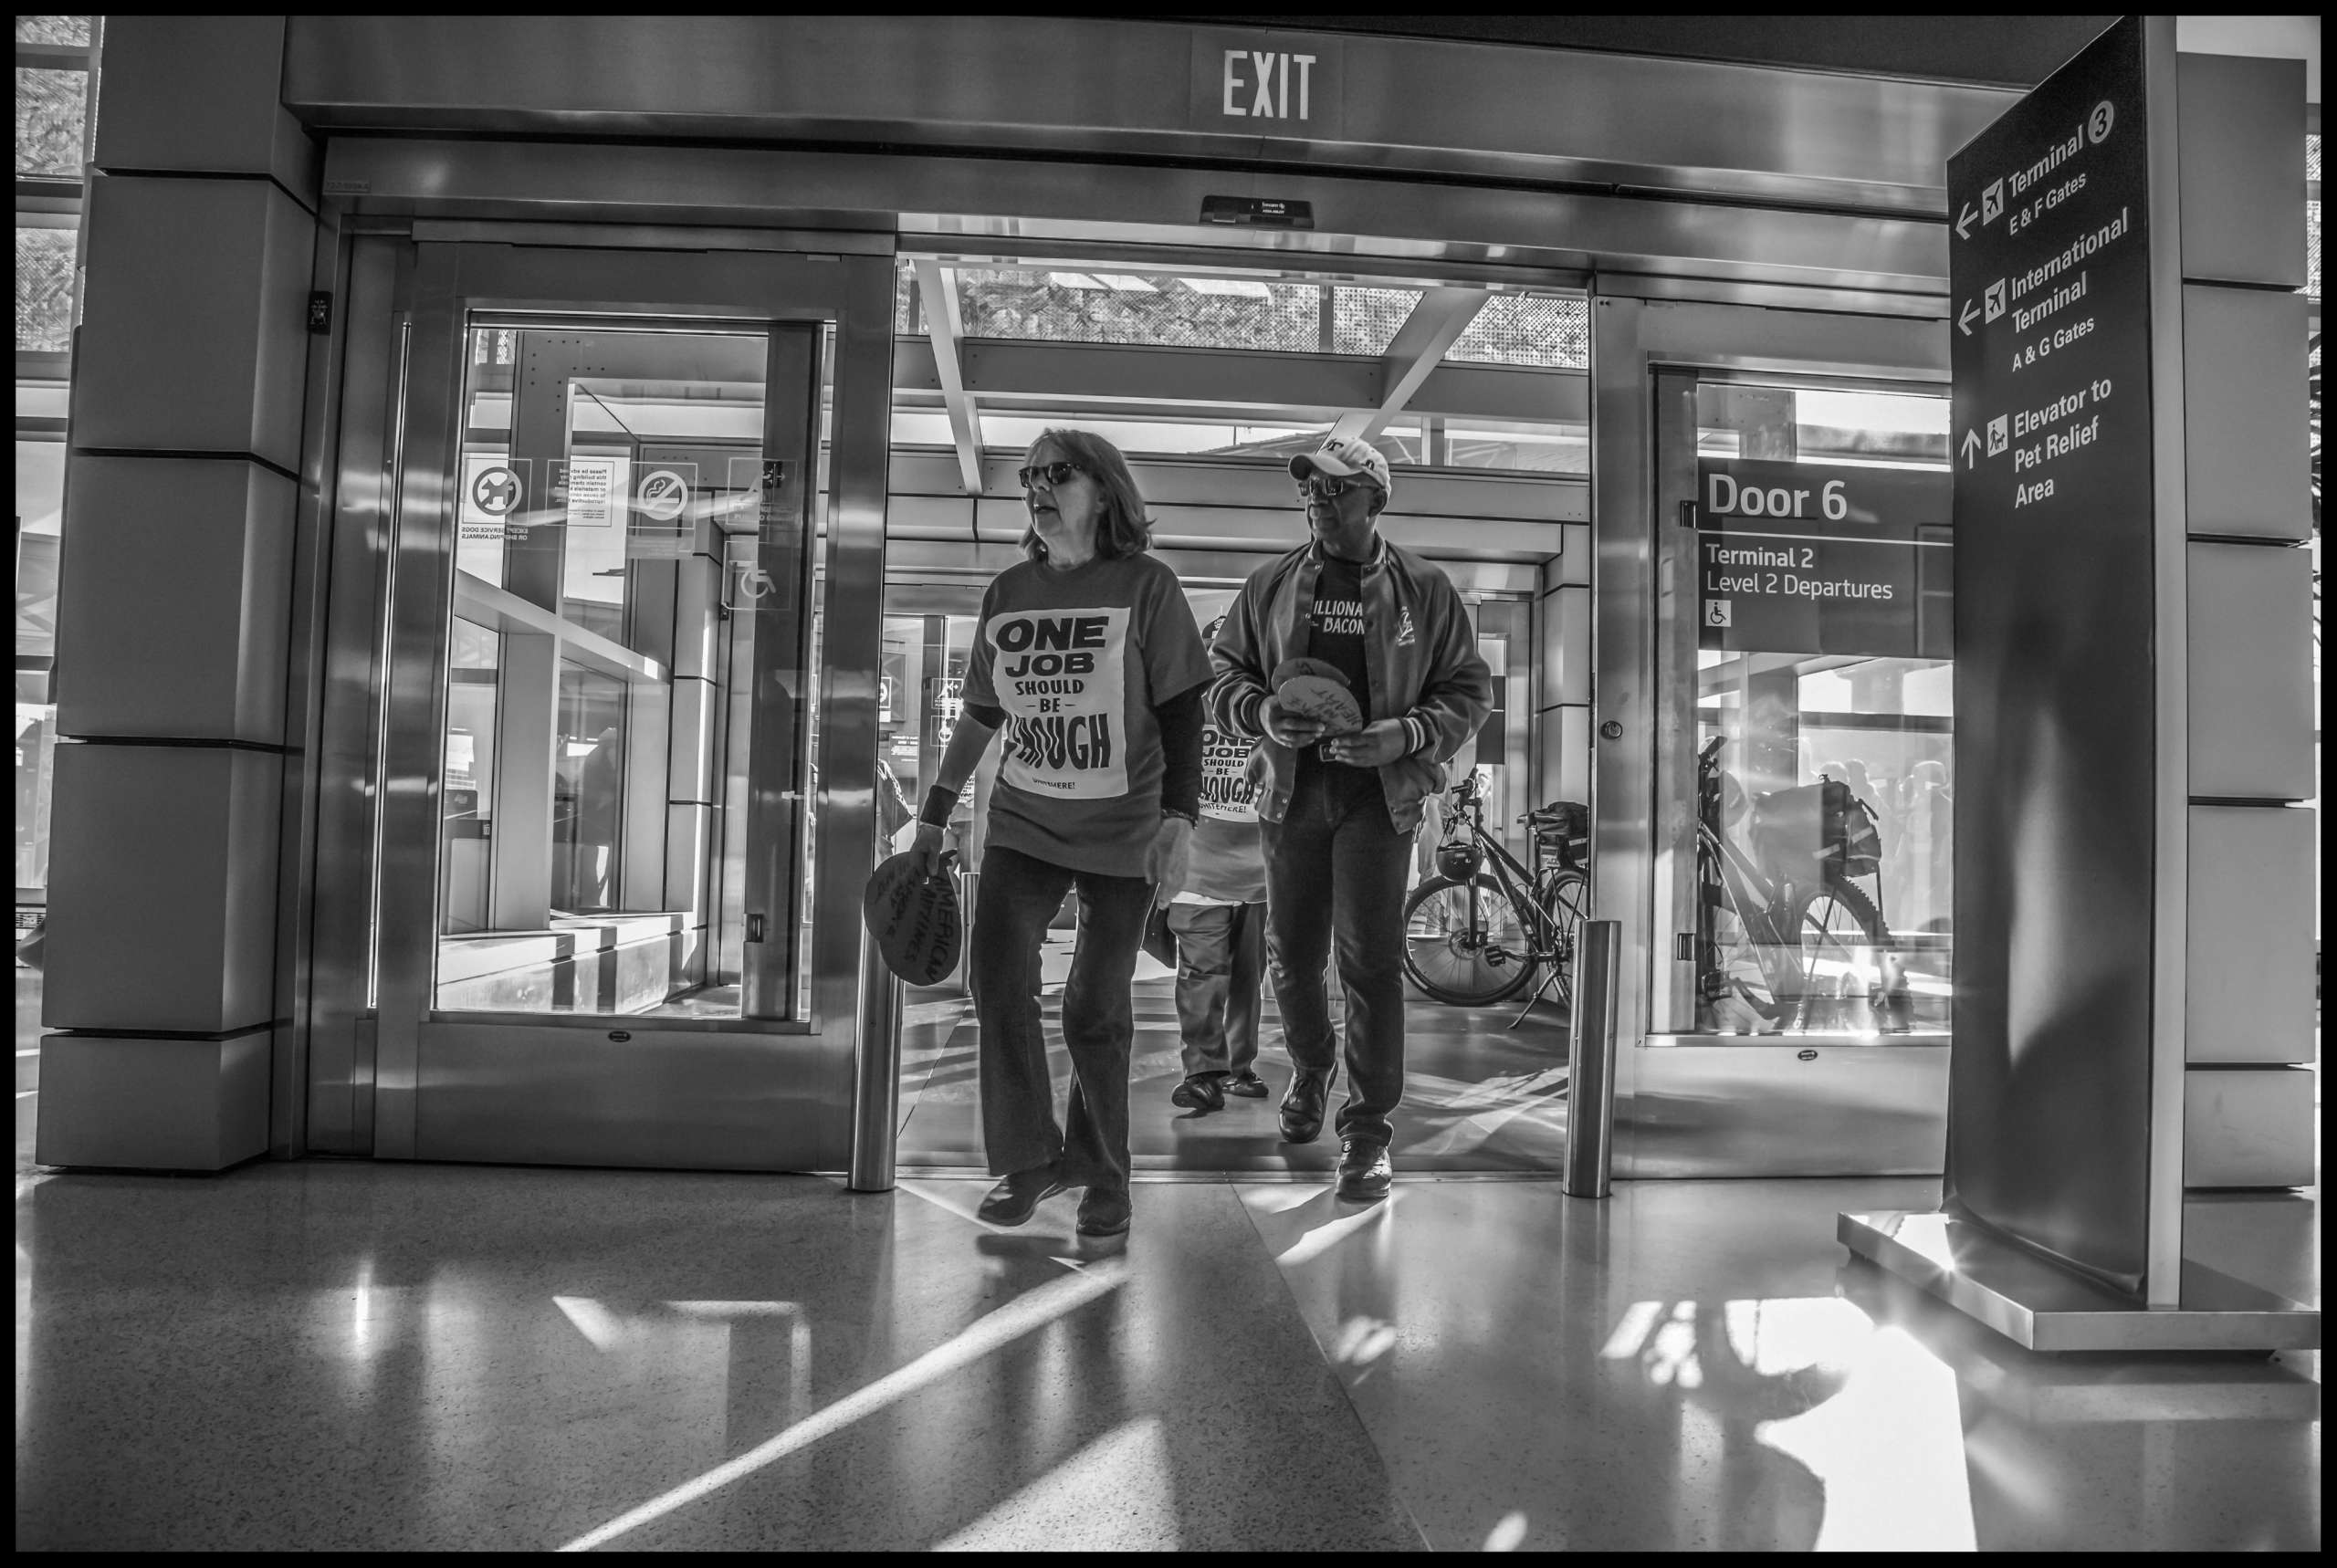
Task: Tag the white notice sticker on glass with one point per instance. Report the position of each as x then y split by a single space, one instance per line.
663 525
593 486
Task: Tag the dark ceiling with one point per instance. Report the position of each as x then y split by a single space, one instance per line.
1996 51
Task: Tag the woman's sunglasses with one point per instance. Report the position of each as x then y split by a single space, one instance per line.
1047 474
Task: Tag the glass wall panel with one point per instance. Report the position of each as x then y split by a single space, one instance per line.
468 796
1546 331
72 30
588 791
44 289
52 109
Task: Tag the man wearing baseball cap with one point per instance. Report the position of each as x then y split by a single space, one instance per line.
1339 809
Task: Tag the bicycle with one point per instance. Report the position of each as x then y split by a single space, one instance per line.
1788 942
1472 939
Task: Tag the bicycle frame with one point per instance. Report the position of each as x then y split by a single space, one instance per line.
1761 906
1525 889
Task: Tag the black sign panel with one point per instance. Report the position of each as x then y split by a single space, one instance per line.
1804 559
2050 278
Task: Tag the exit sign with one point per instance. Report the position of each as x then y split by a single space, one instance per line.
1260 83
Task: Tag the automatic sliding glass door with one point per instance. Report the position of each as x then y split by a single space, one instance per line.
600 935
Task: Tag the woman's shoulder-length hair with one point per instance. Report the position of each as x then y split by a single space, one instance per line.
1121 528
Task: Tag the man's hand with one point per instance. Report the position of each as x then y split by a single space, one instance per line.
1167 858
1294 730
925 851
1373 746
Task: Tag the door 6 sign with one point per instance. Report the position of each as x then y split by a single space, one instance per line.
1799 559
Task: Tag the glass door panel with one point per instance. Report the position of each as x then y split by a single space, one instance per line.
1810 828
617 534
627 691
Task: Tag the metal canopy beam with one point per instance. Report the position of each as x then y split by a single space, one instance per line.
946 329
1435 324
1173 383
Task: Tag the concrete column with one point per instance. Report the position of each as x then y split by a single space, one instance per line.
190 387
2249 1028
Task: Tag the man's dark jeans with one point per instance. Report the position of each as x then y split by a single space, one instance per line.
1334 869
1019 896
1220 961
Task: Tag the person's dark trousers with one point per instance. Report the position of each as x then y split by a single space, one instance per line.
1221 965
1335 870
1020 896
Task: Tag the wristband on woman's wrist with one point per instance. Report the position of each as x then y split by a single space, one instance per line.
939 803
1191 819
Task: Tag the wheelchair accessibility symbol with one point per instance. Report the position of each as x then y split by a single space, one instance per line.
748 584
495 491
1717 614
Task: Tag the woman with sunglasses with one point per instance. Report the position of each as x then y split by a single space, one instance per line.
1088 660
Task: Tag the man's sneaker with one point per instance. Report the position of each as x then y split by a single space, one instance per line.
1302 1107
1247 1085
1200 1091
1366 1171
1016 1197
1104 1211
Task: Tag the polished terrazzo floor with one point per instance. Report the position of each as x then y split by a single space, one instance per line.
340 1355
1480 1096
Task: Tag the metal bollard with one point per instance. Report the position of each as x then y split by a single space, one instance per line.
876 1071
1591 1060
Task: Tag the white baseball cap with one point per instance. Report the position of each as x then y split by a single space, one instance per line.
1342 457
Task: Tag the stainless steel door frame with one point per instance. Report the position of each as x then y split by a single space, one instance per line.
1637 612
345 775
690 1093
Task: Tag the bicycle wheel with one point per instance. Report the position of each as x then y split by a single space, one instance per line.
1567 901
1459 961
1842 940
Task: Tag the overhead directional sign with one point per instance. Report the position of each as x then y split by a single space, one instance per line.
1796 558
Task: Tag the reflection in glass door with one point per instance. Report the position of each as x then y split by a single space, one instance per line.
1810 818
627 701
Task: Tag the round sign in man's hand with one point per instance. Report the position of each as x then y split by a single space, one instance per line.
1328 702
1313 689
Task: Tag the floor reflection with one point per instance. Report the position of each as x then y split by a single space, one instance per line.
339 1356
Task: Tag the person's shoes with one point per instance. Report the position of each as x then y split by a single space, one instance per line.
1366 1171
1013 1199
1247 1085
1302 1107
1200 1091
1104 1211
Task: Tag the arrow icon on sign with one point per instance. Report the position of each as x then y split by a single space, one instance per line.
1963 320
1963 222
1971 447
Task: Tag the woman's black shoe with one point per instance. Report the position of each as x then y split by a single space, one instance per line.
1200 1091
1016 1197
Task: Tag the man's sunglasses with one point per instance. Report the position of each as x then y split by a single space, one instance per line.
1321 484
1047 474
